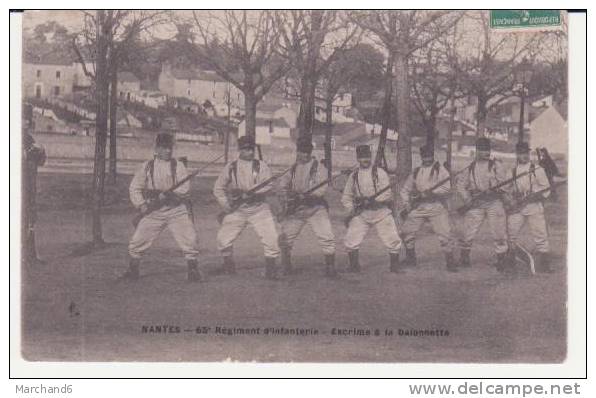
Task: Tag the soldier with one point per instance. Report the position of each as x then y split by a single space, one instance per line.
304 174
235 181
480 176
360 187
152 179
533 211
34 156
431 206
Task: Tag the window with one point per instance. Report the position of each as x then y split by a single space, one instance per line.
188 92
213 93
56 91
271 126
38 73
38 91
57 74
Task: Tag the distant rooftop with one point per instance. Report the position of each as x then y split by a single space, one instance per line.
50 58
128 77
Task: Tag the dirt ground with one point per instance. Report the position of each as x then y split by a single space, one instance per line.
74 309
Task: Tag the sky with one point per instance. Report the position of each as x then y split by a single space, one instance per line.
73 21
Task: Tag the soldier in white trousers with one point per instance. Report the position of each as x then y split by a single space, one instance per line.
481 175
235 181
533 211
360 187
159 175
311 209
427 206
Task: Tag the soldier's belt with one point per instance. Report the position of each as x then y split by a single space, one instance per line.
373 206
251 200
311 201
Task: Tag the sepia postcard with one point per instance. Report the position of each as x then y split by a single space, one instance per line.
294 186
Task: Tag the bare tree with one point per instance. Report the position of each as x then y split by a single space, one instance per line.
242 47
489 62
401 33
312 40
105 42
350 66
434 81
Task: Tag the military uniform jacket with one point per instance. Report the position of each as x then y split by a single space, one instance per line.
366 186
162 179
480 176
423 178
249 173
523 186
303 177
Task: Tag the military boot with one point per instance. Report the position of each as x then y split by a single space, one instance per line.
194 275
228 267
132 273
505 263
270 268
464 259
410 260
543 265
330 270
450 262
394 265
286 261
354 263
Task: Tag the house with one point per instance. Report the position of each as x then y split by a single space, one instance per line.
185 104
549 130
151 99
199 86
199 135
274 132
278 111
345 136
49 75
128 84
81 79
126 119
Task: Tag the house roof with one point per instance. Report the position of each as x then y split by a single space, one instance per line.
185 101
279 122
269 107
49 58
128 77
197 74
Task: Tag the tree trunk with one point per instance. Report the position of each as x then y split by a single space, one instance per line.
386 109
404 141
307 106
328 134
450 137
250 110
431 129
113 122
101 125
481 113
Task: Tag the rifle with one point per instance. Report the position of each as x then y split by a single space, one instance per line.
239 198
362 203
293 203
416 201
533 197
152 196
487 193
